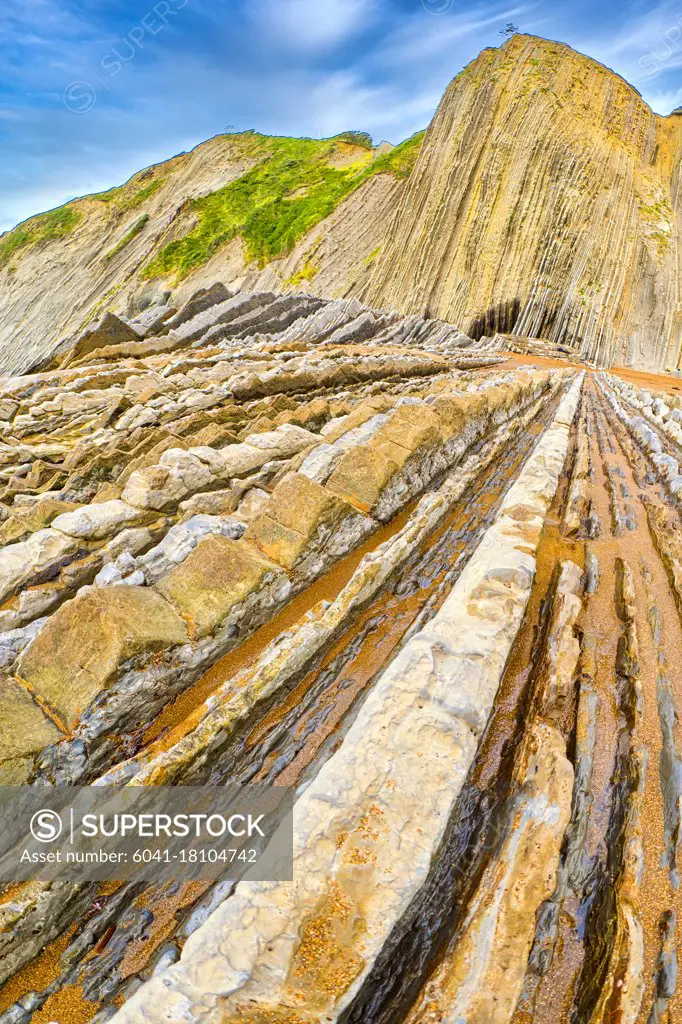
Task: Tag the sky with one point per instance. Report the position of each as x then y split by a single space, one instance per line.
93 91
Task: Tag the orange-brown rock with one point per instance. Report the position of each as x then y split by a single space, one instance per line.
219 574
24 730
361 475
411 427
291 517
81 648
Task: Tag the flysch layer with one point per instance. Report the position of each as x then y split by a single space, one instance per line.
366 829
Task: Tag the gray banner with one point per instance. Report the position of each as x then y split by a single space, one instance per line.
157 834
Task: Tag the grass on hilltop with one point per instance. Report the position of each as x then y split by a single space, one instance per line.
125 198
293 187
59 223
43 228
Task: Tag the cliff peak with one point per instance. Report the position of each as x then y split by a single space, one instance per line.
543 204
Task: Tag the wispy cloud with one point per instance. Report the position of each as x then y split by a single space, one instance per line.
416 39
641 47
311 25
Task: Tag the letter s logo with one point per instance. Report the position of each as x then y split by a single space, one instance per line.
46 826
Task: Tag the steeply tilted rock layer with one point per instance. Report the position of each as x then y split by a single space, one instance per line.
432 587
544 202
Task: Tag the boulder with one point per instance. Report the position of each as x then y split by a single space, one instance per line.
284 442
185 465
178 474
214 503
238 460
83 646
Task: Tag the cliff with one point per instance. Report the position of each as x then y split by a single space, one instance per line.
258 212
542 202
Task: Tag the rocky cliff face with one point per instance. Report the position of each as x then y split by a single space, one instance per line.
543 203
315 212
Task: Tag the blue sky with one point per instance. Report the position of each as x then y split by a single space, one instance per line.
93 91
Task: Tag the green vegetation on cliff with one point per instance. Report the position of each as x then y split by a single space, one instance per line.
43 228
59 223
308 272
128 237
400 161
291 185
295 184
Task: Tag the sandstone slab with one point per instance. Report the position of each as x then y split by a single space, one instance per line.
24 728
361 475
219 574
83 646
96 521
289 520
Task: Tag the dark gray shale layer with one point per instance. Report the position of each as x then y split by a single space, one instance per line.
141 690
483 822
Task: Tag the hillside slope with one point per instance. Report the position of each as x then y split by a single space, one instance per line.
257 211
